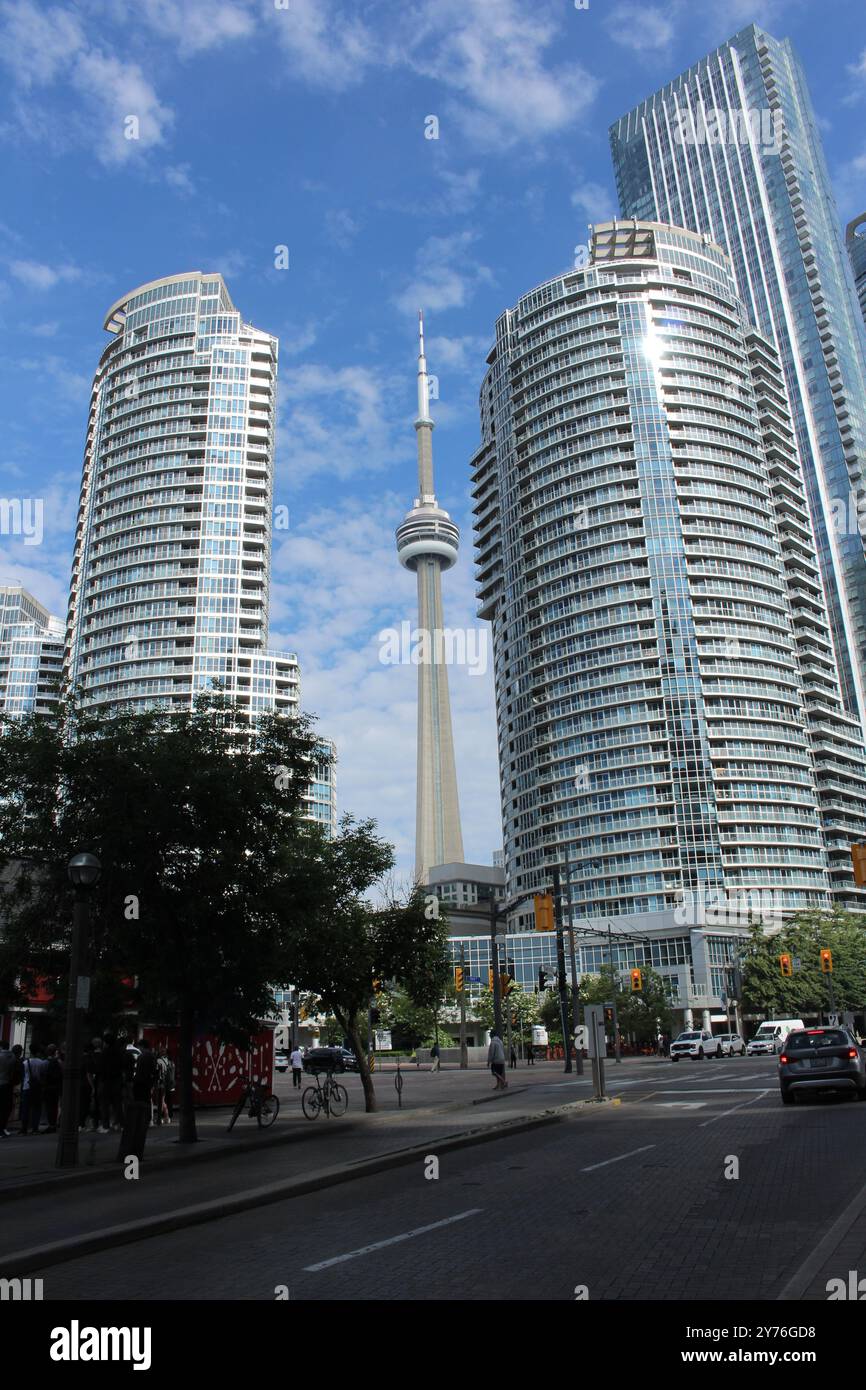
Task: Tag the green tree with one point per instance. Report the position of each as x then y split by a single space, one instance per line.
641 1014
766 991
191 814
340 942
522 1006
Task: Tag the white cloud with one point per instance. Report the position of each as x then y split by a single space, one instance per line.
849 183
341 228
445 276
38 276
177 176
43 330
594 201
336 421
640 26
329 46
494 57
462 354
197 25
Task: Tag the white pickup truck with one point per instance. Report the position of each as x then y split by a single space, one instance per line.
698 1043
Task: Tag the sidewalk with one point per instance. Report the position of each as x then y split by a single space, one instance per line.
27 1163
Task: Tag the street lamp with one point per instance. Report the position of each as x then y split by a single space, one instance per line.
83 870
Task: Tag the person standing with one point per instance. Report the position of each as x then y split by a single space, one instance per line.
52 1082
435 1060
513 1057
144 1078
496 1061
530 1055
31 1092
297 1061
8 1076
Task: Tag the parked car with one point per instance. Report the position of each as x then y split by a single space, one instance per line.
732 1045
282 1061
770 1037
330 1059
821 1059
698 1043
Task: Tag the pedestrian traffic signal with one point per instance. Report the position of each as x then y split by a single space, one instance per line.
490 980
378 986
858 861
608 1013
458 978
543 912
827 962
542 981
506 983
636 981
786 965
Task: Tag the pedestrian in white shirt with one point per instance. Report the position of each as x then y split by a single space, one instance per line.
297 1061
496 1061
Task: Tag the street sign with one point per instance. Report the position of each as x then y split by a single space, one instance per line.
596 1043
833 1020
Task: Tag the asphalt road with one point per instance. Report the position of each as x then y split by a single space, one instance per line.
699 1185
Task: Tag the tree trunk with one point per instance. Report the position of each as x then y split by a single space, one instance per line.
188 1134
354 1032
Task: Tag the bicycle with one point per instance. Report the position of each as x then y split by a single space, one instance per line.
264 1107
330 1097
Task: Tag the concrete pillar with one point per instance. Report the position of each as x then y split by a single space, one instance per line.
688 1021
706 1020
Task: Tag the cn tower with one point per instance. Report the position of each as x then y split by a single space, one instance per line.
427 543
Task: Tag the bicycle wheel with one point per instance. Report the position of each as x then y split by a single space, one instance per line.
239 1105
339 1099
311 1102
269 1109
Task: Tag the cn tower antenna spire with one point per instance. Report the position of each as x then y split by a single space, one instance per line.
427 544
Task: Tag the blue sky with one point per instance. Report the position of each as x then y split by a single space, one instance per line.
304 126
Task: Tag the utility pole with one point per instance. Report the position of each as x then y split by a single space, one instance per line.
575 987
560 968
494 965
616 1049
464 1051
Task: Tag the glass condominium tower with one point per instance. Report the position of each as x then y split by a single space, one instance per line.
171 567
731 147
645 555
31 654
855 240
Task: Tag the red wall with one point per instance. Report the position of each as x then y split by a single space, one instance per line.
220 1070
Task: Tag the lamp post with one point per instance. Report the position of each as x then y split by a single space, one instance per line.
84 870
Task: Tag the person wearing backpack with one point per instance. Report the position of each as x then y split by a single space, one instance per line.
52 1081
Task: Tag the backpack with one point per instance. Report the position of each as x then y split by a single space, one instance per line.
53 1072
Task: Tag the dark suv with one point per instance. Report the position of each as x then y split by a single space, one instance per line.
821 1059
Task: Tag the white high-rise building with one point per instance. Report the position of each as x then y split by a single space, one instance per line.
31 653
171 567
427 544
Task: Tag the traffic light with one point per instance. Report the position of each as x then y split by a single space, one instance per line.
826 962
458 978
858 861
608 1013
543 912
636 981
786 965
542 981
378 986
490 980
506 984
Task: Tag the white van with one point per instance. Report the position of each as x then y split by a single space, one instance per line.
771 1036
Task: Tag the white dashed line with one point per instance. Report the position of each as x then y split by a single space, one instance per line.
392 1240
619 1158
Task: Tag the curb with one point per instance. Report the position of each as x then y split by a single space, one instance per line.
39 1257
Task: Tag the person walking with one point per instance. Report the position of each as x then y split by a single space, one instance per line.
496 1061
170 1078
111 1100
297 1060
31 1092
530 1055
435 1060
513 1061
52 1082
9 1069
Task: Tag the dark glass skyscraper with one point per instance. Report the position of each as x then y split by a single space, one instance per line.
731 148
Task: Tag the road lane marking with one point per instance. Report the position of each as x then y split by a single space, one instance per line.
619 1158
392 1240
733 1111
721 1091
826 1247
